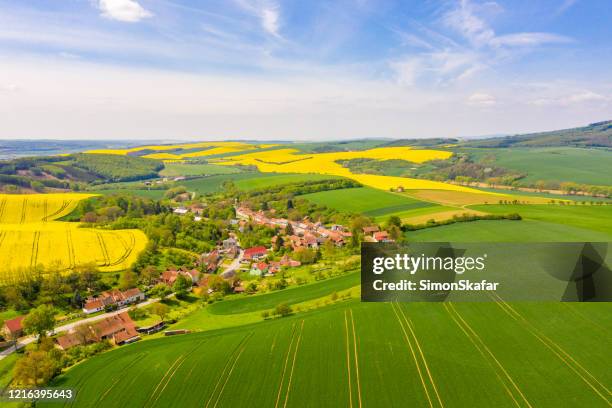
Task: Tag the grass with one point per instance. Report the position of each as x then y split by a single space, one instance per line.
362 352
246 180
366 200
589 166
506 231
279 179
186 169
595 218
154 194
291 296
545 195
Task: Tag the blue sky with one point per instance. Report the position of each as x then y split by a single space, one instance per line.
308 70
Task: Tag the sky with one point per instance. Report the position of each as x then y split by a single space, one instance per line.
301 70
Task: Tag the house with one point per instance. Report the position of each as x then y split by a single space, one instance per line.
370 229
259 268
12 329
113 298
93 306
382 236
180 210
231 242
255 253
169 277
119 328
286 261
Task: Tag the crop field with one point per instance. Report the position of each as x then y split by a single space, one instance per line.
247 180
506 231
273 179
187 169
366 200
291 161
30 235
541 223
595 218
20 209
344 354
589 166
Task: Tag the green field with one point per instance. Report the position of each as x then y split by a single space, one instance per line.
544 223
154 194
596 218
366 200
186 169
247 180
506 231
275 179
588 166
345 355
290 296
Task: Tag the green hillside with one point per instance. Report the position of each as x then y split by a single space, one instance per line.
594 135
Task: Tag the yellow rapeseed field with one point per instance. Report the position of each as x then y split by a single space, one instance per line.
208 149
20 209
30 236
291 161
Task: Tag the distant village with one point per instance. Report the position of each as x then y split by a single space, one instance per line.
120 329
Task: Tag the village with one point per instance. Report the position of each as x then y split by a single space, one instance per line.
106 315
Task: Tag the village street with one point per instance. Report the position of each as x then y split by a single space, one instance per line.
24 341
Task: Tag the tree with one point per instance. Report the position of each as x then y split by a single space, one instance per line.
282 310
129 279
394 232
394 220
83 333
290 204
160 309
149 274
36 368
181 286
40 320
161 290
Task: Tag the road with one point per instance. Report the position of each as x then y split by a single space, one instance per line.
235 265
24 341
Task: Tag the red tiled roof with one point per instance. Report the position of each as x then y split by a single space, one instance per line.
14 325
93 304
255 251
68 340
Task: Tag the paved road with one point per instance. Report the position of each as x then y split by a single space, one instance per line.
235 265
24 341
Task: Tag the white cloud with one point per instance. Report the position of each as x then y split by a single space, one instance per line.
469 20
129 11
528 39
269 19
568 99
566 4
267 11
481 100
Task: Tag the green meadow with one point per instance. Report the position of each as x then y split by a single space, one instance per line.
247 181
188 169
368 201
588 166
440 355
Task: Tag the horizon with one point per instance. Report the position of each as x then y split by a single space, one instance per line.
263 70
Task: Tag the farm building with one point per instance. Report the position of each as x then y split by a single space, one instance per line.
12 328
255 253
113 298
120 329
